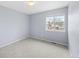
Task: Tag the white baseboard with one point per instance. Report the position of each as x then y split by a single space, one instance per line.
49 41
11 42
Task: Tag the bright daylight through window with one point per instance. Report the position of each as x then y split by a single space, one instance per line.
55 23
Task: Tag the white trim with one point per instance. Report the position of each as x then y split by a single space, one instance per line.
11 42
49 41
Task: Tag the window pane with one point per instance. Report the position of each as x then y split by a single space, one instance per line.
50 23
59 23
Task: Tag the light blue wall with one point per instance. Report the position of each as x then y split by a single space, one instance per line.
37 26
73 28
13 25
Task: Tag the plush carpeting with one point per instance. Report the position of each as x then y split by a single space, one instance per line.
31 48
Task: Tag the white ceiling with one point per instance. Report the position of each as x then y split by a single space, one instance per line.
39 6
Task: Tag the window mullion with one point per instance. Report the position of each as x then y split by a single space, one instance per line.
54 23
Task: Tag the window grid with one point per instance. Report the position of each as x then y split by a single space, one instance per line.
55 23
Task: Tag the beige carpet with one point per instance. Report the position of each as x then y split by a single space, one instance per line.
34 49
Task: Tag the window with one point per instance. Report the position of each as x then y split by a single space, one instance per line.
55 23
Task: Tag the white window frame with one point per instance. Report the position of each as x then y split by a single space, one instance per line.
54 24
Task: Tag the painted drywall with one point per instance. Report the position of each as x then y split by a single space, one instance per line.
13 26
73 28
37 26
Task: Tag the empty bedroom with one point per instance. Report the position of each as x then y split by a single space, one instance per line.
39 29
